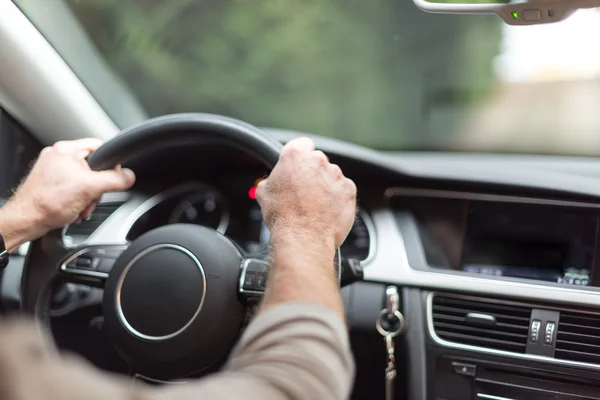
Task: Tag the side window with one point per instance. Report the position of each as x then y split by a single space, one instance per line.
18 150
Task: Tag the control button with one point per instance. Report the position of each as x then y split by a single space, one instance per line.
105 264
535 330
257 266
250 281
261 281
84 262
549 335
532 15
464 369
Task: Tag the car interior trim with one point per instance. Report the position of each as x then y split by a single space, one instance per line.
121 314
372 237
48 98
477 349
490 397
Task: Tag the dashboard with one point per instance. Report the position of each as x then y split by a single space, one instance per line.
497 263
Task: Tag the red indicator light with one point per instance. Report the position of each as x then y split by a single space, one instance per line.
252 193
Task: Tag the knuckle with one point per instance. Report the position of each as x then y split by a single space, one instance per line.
87 194
320 157
337 171
60 145
46 150
351 186
289 151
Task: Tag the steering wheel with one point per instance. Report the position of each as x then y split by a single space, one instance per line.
173 298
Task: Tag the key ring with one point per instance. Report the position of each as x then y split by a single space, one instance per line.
382 331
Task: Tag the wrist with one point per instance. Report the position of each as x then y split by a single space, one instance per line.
302 269
303 243
19 225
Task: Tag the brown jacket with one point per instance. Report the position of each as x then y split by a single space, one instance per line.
292 351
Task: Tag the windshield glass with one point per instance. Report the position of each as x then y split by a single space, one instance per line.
379 73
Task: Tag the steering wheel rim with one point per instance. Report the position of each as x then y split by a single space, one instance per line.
48 254
193 128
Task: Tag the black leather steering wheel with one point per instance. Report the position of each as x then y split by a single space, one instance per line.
173 298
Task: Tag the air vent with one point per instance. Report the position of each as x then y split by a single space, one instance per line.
481 322
578 337
86 228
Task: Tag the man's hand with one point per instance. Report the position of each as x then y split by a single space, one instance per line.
309 207
60 189
306 193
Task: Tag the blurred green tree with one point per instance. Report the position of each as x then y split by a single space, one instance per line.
373 72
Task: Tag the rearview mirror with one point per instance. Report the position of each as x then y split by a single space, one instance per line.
519 12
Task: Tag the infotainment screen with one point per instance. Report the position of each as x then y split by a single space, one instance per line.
531 241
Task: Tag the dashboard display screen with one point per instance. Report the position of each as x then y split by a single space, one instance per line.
530 241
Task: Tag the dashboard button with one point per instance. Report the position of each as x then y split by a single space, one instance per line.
549 334
535 331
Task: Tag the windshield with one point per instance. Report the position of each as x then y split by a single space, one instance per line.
380 73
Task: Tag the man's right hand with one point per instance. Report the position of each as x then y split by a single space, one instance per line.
306 193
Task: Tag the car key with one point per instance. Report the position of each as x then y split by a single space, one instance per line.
390 323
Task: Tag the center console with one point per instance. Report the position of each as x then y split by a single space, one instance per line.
504 346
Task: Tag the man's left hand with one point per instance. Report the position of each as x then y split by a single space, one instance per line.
61 188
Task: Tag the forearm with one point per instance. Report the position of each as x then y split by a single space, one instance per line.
18 225
294 351
302 271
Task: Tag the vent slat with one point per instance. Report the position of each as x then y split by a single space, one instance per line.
84 229
483 341
582 320
509 333
507 327
578 337
577 356
481 331
464 311
577 328
487 307
578 346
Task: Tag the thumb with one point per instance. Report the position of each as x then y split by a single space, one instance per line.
113 180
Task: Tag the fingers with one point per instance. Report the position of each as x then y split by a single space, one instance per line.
81 147
113 181
301 144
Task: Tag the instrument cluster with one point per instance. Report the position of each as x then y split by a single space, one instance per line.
234 211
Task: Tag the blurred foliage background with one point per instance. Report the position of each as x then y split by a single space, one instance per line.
380 72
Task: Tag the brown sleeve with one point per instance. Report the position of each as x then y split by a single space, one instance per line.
292 351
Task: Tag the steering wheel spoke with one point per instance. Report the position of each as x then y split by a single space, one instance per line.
90 264
253 279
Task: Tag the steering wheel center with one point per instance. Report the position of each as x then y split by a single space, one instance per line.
170 301
161 291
